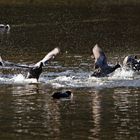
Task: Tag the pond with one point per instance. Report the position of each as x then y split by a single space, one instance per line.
101 108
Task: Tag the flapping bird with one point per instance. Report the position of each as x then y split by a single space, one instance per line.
101 67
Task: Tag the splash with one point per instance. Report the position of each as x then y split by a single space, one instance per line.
120 78
79 79
122 73
16 79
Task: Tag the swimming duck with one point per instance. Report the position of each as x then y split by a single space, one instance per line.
4 28
131 62
59 95
101 67
34 71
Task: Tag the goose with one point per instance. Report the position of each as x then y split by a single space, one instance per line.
34 71
59 95
101 67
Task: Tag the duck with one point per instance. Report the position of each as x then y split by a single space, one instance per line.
4 28
34 71
101 67
59 95
131 62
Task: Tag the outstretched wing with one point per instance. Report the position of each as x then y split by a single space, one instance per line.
7 64
100 58
49 56
16 65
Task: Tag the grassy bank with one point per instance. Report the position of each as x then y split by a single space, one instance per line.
68 2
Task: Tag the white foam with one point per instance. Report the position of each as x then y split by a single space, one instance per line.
17 79
122 74
72 79
119 78
21 79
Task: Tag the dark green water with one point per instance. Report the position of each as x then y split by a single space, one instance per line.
101 109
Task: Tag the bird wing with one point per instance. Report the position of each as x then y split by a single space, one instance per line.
49 56
7 64
100 57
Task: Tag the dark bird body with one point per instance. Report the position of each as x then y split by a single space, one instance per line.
35 72
102 72
59 95
101 67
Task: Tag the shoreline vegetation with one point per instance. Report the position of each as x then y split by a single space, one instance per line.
79 3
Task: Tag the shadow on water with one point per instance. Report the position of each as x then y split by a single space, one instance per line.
105 108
